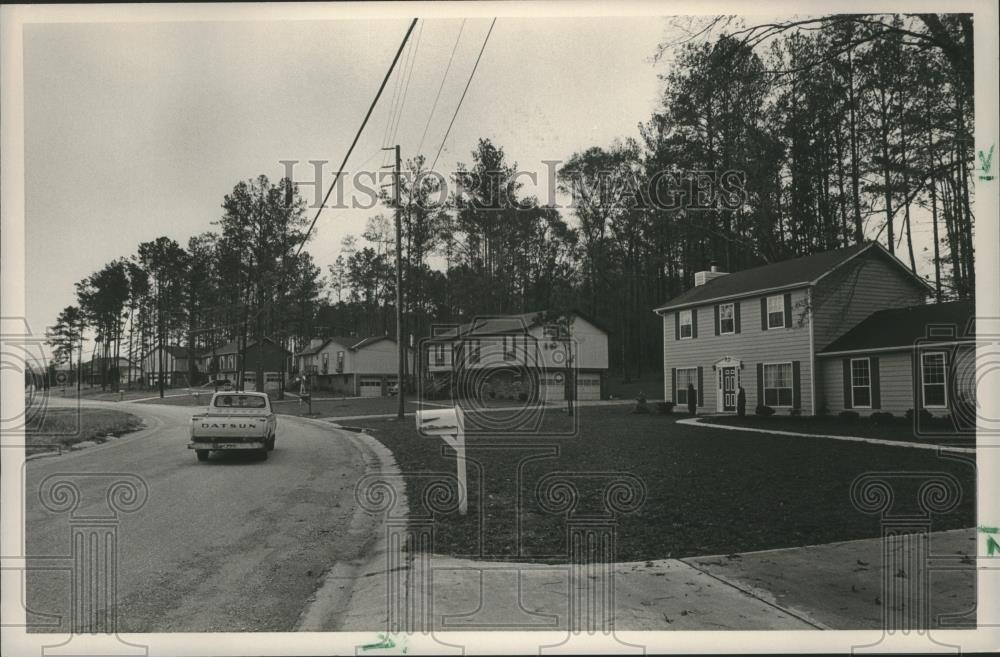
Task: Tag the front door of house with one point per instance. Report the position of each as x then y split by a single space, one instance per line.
729 388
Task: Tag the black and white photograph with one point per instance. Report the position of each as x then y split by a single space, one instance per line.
388 328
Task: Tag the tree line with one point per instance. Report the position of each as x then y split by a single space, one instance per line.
838 130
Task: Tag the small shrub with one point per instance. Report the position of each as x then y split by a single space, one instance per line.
881 417
764 411
665 407
641 407
848 416
795 412
925 415
823 411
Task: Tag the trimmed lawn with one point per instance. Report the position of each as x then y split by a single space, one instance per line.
898 429
61 427
708 491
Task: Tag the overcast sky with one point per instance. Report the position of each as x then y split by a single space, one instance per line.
136 130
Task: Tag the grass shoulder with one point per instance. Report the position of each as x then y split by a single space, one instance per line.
59 429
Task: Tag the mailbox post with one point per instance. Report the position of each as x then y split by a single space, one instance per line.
449 423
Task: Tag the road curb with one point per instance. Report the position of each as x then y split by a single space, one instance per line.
353 595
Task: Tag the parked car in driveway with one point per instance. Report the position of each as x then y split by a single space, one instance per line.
234 421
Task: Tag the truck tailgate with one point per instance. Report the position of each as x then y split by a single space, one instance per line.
229 427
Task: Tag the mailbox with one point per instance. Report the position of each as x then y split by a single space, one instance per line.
449 423
441 422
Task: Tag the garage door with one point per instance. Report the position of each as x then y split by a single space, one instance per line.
588 387
370 387
553 388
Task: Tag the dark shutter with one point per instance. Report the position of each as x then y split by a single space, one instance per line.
701 396
876 394
677 325
847 383
736 315
673 384
918 380
788 310
763 314
760 384
796 385
694 322
716 319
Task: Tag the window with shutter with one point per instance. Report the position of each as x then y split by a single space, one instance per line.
776 312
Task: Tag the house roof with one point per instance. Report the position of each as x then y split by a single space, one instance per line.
174 350
796 272
233 346
351 342
904 327
111 359
497 324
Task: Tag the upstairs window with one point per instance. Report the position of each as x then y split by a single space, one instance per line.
438 355
727 318
686 324
509 347
776 312
472 349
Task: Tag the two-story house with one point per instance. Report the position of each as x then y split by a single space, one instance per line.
172 363
535 355
784 333
224 363
350 365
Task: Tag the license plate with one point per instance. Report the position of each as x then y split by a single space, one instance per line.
227 445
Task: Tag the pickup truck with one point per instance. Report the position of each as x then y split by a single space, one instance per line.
234 421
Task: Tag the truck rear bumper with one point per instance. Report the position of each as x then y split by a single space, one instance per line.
227 445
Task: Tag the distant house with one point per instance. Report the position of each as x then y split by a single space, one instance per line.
839 330
522 356
98 370
355 366
175 362
224 362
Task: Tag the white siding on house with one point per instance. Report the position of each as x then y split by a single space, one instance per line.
895 374
752 346
852 292
589 344
380 358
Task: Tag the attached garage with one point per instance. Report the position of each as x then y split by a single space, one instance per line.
553 387
588 387
369 386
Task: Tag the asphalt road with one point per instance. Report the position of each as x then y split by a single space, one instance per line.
231 544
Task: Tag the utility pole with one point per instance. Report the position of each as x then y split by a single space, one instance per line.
401 346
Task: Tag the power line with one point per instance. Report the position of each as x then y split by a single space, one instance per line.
440 88
340 171
406 87
390 117
471 75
